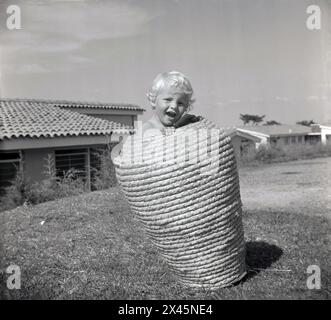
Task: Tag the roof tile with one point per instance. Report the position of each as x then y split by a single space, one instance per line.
81 104
32 118
277 130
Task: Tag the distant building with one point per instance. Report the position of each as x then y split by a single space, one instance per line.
243 142
320 133
32 130
279 135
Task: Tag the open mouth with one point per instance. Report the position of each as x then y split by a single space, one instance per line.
171 114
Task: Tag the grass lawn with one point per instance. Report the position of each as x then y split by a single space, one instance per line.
90 247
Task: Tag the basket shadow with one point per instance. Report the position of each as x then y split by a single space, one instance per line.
260 255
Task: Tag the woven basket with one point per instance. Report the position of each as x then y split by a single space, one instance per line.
185 192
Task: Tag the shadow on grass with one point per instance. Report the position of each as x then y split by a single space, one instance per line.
260 255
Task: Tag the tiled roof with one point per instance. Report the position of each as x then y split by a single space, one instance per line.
326 124
82 104
278 130
36 119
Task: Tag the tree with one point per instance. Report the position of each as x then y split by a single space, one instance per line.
272 123
306 122
247 118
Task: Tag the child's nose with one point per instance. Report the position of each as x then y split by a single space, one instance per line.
173 105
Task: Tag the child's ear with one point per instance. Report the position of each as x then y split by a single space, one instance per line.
153 105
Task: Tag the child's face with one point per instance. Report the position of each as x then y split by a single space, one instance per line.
170 105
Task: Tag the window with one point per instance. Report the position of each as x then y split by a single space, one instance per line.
86 163
300 139
273 142
286 140
293 140
71 159
9 164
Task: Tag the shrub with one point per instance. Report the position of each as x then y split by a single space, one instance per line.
53 187
266 153
103 171
308 151
16 193
270 154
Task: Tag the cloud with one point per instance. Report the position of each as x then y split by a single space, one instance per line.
257 99
312 98
31 68
65 25
325 85
54 33
77 21
220 103
24 69
317 98
284 99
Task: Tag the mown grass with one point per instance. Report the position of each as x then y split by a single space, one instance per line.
23 191
90 247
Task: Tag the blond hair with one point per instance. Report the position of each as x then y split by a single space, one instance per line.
173 79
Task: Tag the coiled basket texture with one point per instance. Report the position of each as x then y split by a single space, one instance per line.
183 187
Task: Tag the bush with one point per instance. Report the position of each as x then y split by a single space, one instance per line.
17 193
54 187
308 151
266 153
22 191
103 172
269 154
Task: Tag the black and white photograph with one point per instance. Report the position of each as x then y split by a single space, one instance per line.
165 150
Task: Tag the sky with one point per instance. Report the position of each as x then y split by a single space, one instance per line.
255 56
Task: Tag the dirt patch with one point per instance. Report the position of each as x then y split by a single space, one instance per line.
278 187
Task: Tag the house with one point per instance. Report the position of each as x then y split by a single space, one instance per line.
32 130
242 141
320 133
125 114
278 135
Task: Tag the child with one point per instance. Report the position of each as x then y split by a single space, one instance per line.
190 210
170 98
